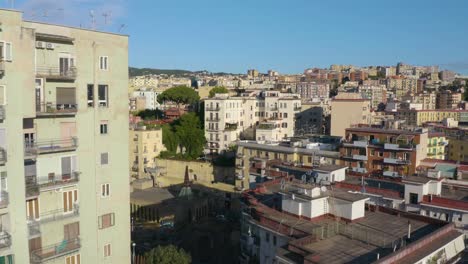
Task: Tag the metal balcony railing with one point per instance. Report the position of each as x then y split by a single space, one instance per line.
2 112
51 108
57 180
214 108
3 156
56 215
56 72
32 189
51 146
4 201
54 251
34 229
5 239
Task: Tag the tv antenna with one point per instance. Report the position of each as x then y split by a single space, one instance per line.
107 17
122 26
93 19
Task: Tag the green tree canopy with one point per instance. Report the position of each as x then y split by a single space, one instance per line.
167 255
179 95
169 138
218 90
190 134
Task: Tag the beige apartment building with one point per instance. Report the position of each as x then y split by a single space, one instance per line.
145 145
64 155
346 112
269 115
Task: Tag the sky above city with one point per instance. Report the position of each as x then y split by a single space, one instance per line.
287 36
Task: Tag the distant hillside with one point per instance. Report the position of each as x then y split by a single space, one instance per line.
145 71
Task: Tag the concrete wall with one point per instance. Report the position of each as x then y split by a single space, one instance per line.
206 172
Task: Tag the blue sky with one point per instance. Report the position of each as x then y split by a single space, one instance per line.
288 36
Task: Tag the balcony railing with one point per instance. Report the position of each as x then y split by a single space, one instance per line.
356 143
2 112
32 189
214 119
51 146
360 157
54 251
56 73
391 174
214 108
398 146
34 229
297 108
5 239
56 215
396 161
3 156
51 108
3 199
56 180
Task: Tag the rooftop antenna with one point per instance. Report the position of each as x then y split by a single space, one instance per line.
107 16
122 26
93 19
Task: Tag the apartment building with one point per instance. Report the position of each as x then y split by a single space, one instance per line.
419 117
448 100
387 152
346 112
270 113
64 153
144 81
311 90
151 97
400 85
375 93
137 103
314 117
145 145
437 145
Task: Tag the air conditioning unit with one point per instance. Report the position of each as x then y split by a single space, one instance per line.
50 45
40 44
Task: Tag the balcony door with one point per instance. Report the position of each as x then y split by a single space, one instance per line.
35 244
32 209
39 94
67 133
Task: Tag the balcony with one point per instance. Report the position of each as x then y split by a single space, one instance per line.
2 112
51 146
213 119
297 108
357 144
54 251
53 181
239 155
215 108
34 229
360 157
5 239
397 161
32 189
389 146
56 215
54 109
212 129
2 68
3 156
274 108
56 73
391 174
3 199
358 170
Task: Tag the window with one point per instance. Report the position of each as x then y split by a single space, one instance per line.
105 190
90 95
2 95
106 220
267 237
6 53
274 240
104 158
413 197
70 198
103 127
74 259
103 95
32 209
103 63
107 250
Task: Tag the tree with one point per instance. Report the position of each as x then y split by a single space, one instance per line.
179 95
190 135
167 255
218 90
148 114
169 138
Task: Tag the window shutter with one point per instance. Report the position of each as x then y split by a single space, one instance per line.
104 158
66 95
8 52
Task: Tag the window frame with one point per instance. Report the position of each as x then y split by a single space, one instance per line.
104 61
112 221
103 103
100 158
103 127
107 250
105 190
4 51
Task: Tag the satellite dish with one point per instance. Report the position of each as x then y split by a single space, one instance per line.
323 189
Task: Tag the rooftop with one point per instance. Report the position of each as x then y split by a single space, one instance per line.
329 168
383 131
